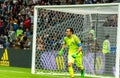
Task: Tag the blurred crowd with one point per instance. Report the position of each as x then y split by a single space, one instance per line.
16 24
16 20
48 21
111 21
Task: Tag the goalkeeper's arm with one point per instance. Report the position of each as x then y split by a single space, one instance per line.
78 51
61 50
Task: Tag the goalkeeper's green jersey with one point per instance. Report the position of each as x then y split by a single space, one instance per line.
72 42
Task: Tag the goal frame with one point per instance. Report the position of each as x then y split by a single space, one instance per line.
73 6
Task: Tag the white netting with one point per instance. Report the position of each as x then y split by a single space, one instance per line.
51 25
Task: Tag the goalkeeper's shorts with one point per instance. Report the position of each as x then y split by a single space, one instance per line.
77 60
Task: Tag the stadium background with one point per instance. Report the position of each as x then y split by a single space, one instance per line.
16 28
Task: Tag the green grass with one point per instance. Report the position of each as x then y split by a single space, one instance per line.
14 72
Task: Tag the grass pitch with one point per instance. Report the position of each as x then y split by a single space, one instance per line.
15 72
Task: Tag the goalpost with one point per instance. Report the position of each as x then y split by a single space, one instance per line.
50 23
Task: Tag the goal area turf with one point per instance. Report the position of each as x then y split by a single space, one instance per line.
15 72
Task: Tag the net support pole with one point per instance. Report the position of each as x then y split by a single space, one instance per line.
34 40
118 46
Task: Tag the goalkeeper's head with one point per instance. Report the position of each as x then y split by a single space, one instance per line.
69 31
107 36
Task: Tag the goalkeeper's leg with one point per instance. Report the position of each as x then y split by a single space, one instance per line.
80 65
70 63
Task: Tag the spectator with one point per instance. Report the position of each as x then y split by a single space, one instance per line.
40 44
57 2
45 36
27 23
27 32
55 37
27 2
15 20
87 2
11 36
31 31
97 47
15 7
4 40
27 44
114 22
23 41
90 43
92 33
51 2
31 17
106 51
106 45
17 43
1 25
19 31
106 23
70 1
111 21
8 7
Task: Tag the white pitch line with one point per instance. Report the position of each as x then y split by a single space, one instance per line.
54 74
57 74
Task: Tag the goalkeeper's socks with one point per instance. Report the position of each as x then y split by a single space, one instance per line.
82 73
71 71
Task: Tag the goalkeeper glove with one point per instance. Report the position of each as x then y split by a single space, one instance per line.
75 55
60 52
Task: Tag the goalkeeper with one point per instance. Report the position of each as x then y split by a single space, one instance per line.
74 53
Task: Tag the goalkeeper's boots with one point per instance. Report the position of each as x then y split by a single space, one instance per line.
82 73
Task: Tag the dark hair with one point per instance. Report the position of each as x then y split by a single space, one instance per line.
71 29
93 27
107 36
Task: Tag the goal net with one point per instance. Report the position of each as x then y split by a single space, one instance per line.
50 23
